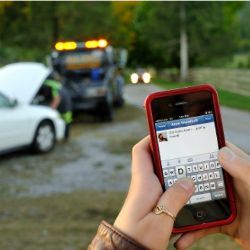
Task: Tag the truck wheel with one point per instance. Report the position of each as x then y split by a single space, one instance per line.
45 138
106 112
119 99
119 102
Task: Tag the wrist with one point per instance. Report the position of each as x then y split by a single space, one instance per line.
110 237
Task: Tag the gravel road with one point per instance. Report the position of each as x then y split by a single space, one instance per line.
97 157
98 154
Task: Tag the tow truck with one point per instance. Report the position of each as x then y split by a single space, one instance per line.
90 71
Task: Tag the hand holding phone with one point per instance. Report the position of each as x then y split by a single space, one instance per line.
230 157
136 218
186 133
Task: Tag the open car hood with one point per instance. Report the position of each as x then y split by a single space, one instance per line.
22 80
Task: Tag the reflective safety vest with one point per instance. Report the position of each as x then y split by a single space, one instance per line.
54 86
67 117
65 105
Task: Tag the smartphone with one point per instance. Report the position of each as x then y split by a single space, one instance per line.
186 133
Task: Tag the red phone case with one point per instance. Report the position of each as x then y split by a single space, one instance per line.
221 140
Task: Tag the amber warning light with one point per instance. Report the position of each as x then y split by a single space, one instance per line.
102 43
91 44
65 46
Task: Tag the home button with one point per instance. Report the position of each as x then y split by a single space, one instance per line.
200 214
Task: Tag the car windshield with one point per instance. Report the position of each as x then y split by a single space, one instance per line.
140 71
4 101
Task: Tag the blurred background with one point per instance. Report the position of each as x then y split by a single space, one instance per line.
85 68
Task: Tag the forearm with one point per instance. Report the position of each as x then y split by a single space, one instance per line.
55 103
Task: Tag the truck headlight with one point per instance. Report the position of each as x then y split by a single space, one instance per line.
134 78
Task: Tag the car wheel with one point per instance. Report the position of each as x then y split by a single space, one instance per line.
45 137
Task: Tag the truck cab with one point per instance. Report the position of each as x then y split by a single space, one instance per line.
90 74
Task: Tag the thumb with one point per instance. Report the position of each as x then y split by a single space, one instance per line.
177 195
236 166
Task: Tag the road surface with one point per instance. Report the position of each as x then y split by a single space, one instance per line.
98 154
236 123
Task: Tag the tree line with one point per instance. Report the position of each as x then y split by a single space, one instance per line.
149 30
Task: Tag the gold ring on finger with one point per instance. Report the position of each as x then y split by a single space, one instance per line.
159 209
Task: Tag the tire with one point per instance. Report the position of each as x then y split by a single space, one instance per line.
45 138
119 99
119 102
106 111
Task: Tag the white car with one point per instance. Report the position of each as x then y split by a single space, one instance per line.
21 122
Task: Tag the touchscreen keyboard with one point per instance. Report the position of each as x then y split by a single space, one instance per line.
207 176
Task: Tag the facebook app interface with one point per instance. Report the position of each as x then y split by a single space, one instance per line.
188 148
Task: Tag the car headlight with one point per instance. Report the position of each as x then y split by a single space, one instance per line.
146 77
134 78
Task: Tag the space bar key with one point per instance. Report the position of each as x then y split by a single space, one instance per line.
201 198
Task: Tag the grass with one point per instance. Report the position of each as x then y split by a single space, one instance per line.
68 221
65 221
122 145
128 113
229 99
234 100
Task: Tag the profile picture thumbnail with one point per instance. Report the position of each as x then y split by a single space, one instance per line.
162 137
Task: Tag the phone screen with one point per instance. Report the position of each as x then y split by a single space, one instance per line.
188 148
186 132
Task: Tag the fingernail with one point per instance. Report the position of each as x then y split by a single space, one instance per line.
227 154
186 183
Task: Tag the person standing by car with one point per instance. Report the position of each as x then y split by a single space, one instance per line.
57 97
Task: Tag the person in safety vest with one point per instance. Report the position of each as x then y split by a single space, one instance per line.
58 98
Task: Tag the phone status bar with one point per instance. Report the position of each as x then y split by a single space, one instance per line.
207 112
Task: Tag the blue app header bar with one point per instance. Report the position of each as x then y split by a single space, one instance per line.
184 122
